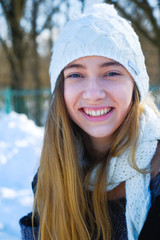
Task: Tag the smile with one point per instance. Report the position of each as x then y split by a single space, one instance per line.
97 112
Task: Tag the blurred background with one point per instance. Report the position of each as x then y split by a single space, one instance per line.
28 31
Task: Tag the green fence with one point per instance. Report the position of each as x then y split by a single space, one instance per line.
34 103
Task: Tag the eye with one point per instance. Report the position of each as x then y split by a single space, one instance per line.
112 74
74 75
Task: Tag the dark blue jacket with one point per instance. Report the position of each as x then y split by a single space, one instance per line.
150 230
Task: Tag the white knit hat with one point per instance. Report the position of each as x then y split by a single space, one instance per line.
100 31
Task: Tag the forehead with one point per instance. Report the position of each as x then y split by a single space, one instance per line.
92 61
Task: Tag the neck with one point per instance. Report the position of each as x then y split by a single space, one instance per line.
96 148
100 146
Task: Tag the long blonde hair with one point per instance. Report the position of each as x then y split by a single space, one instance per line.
67 210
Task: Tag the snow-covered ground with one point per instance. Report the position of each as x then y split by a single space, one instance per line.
20 147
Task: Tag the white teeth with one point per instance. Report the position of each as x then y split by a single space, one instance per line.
93 113
97 112
87 112
102 112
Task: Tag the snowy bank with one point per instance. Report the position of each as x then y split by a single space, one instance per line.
20 147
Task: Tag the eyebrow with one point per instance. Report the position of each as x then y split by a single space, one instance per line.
106 64
74 66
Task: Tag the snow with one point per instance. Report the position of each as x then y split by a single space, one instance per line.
20 148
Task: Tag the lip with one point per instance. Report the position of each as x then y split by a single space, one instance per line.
97 118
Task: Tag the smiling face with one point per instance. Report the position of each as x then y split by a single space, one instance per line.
98 94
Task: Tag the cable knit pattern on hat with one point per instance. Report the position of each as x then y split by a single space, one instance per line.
102 32
137 185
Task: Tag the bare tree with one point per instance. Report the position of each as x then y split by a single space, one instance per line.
13 12
20 40
23 28
144 16
34 33
82 5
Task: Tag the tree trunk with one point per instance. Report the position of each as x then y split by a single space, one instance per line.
35 72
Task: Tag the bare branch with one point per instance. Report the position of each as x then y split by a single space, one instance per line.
48 19
139 24
148 10
4 46
82 6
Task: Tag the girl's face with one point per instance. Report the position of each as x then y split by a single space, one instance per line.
98 93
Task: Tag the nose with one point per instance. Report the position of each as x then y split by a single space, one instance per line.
93 90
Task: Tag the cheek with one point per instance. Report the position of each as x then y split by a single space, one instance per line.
70 97
126 100
72 93
123 93
67 97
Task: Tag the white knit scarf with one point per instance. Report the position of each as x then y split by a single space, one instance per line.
138 197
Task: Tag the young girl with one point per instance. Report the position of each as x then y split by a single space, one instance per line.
99 171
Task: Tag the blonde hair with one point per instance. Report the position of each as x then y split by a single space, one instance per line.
67 210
